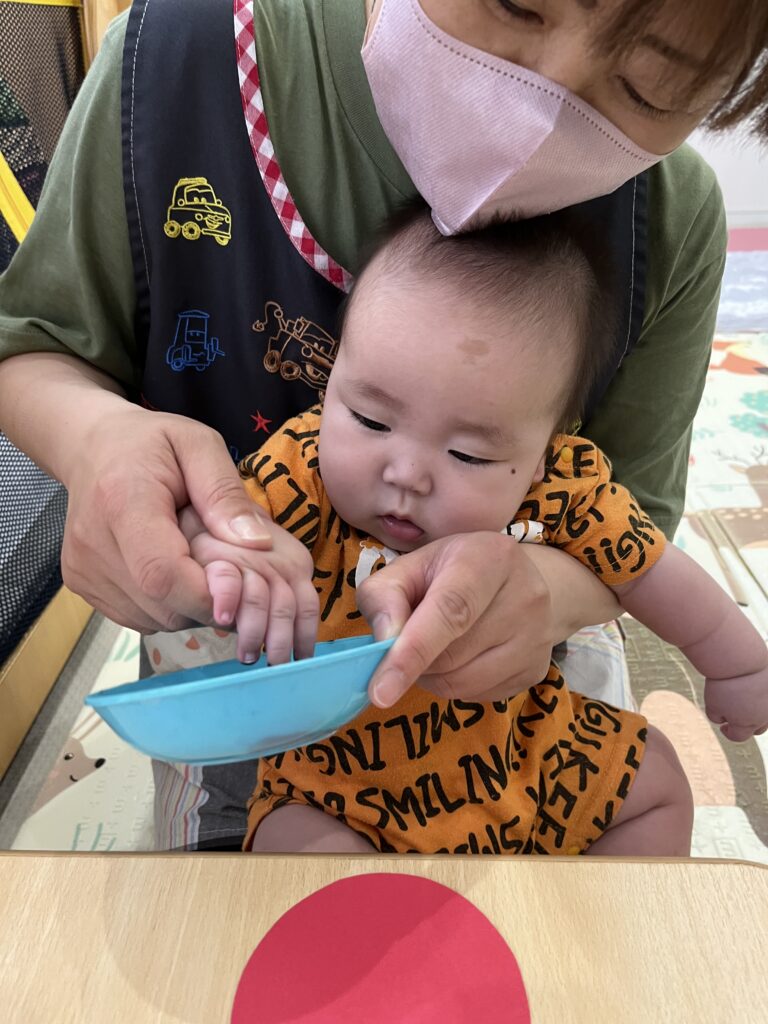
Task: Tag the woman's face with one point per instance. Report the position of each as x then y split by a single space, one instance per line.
641 92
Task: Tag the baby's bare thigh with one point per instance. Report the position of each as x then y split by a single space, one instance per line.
296 828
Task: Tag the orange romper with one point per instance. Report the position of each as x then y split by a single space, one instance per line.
543 772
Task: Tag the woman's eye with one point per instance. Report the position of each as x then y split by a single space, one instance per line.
470 460
643 105
521 13
369 424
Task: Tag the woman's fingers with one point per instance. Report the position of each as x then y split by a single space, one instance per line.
122 533
480 619
113 606
495 674
216 490
157 555
448 584
101 578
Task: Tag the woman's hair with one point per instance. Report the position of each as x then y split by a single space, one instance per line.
731 39
546 272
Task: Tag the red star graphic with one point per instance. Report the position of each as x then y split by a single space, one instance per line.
261 423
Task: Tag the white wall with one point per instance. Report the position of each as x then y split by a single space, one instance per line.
741 166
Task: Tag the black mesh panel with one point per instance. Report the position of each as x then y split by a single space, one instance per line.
32 512
41 68
41 63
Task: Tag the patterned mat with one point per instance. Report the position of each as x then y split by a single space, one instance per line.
728 779
99 794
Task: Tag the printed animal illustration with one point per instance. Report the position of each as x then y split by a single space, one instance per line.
72 765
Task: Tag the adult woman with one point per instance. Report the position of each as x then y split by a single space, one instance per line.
490 611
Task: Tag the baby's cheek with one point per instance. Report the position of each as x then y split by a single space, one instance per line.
347 483
479 504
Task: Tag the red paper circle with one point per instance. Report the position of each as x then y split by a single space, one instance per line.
382 949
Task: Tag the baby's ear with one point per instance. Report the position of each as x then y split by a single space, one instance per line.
538 476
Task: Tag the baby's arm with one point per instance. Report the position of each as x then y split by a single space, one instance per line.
683 605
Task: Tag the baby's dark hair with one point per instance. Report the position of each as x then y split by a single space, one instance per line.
546 271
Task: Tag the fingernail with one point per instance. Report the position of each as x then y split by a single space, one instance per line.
383 627
247 528
249 658
224 618
389 689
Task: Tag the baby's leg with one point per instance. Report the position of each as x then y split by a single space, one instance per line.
296 828
656 819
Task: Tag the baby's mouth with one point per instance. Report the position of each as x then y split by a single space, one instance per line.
401 529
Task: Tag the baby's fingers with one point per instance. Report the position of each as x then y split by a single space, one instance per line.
737 733
252 616
282 614
307 616
739 706
225 583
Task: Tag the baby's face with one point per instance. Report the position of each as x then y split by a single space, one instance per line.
436 419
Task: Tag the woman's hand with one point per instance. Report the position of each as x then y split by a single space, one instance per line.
477 615
123 550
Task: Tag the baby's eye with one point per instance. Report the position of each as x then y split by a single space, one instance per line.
470 460
370 424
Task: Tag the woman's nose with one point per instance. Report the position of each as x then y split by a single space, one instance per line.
569 61
409 474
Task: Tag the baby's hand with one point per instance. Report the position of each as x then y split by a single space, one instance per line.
739 706
271 598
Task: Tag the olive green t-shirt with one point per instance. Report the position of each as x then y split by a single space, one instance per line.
70 286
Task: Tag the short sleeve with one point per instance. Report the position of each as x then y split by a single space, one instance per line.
586 513
69 288
282 477
644 422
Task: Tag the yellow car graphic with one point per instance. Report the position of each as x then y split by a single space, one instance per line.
195 210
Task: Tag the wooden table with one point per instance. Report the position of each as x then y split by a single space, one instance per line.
94 938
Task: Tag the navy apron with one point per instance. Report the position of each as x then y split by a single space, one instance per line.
236 329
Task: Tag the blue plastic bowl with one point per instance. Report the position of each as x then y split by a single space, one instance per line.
232 712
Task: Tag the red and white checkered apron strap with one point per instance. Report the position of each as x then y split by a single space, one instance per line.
263 151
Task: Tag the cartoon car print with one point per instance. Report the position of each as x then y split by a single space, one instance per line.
298 349
195 210
191 346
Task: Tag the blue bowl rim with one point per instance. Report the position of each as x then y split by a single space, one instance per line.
134 692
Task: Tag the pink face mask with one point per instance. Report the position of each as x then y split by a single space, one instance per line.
480 136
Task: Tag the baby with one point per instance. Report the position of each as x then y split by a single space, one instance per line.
462 362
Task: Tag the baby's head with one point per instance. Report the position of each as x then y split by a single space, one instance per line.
460 357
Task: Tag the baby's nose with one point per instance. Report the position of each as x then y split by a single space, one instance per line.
409 473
